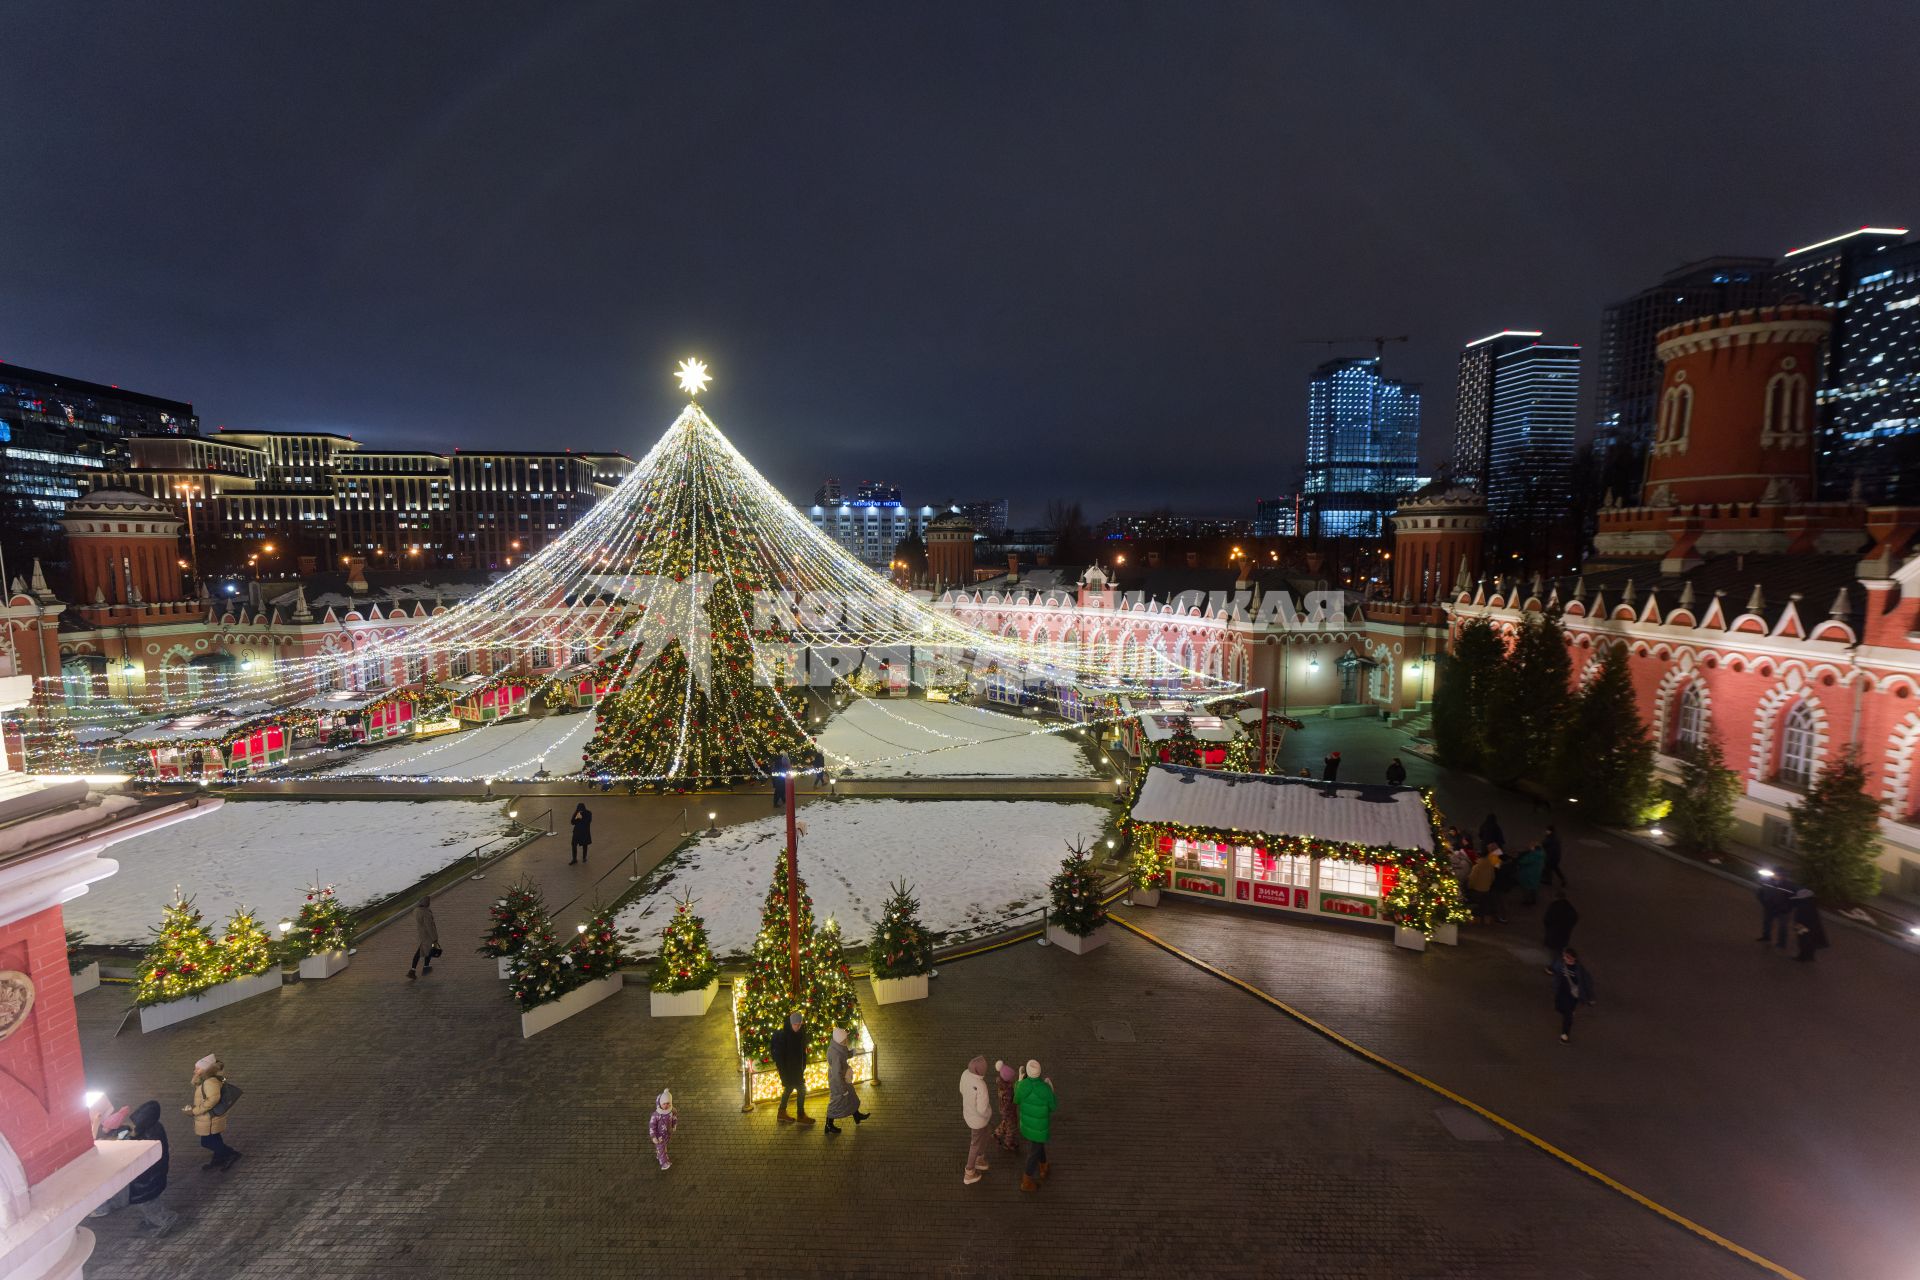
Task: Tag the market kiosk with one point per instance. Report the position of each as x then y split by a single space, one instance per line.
585 686
482 699
1353 851
1151 723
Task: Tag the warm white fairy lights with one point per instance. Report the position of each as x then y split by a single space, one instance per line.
584 600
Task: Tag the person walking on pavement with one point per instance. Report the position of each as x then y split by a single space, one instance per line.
788 1049
842 1101
143 1193
1572 987
1776 910
1526 874
1807 926
1490 833
1396 773
582 833
1550 845
660 1127
426 934
209 1082
1007 1132
782 779
1557 924
1330 767
976 1108
1035 1098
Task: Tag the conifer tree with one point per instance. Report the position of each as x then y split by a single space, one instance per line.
541 969
1460 697
1603 757
1527 701
597 951
901 946
1702 815
1074 895
825 996
182 960
245 948
1183 748
685 962
323 925
1836 833
512 919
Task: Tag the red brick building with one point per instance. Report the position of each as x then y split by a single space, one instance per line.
1780 627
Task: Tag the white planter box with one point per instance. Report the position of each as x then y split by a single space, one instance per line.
1447 935
87 979
552 1014
323 964
1074 942
682 1004
1143 897
1411 939
894 990
504 962
155 1016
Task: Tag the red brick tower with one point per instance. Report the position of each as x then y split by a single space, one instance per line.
950 551
1436 537
125 549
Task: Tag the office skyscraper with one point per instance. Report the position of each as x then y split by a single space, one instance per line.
1869 404
1363 446
1630 371
1535 402
1473 406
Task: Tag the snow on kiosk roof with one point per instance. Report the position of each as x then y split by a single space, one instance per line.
1354 813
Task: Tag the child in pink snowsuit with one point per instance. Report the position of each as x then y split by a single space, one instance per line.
660 1126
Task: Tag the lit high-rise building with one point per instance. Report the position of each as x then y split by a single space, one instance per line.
1869 404
1535 401
1363 446
1473 406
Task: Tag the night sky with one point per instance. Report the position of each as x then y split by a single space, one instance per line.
1031 251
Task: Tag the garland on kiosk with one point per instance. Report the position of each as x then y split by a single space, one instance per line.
1425 893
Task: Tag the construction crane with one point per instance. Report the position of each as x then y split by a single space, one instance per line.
1379 344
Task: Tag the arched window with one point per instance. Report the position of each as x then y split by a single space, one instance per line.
1796 746
1690 727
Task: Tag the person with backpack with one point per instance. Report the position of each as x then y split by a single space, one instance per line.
582 833
213 1097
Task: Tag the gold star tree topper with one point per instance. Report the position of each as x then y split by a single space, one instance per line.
693 376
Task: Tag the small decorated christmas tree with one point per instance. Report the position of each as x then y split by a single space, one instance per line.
1075 895
685 962
512 919
901 946
1152 866
541 969
323 925
597 950
182 960
1183 748
245 948
824 997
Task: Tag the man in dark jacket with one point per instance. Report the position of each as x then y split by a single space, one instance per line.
1396 772
788 1049
144 1191
782 779
1550 845
1330 767
1572 987
1557 924
1776 910
1807 925
582 832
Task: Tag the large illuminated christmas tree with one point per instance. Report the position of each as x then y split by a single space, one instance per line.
696 694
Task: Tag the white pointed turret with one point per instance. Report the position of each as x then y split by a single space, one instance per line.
1842 603
1757 602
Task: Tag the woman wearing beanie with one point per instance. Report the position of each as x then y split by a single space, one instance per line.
209 1081
1035 1098
1007 1132
660 1126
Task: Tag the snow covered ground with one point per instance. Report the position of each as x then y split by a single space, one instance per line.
912 738
264 853
515 749
973 863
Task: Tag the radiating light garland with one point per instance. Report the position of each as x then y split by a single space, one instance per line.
588 591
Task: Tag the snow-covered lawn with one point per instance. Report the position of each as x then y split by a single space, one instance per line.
264 853
973 863
515 749
912 738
